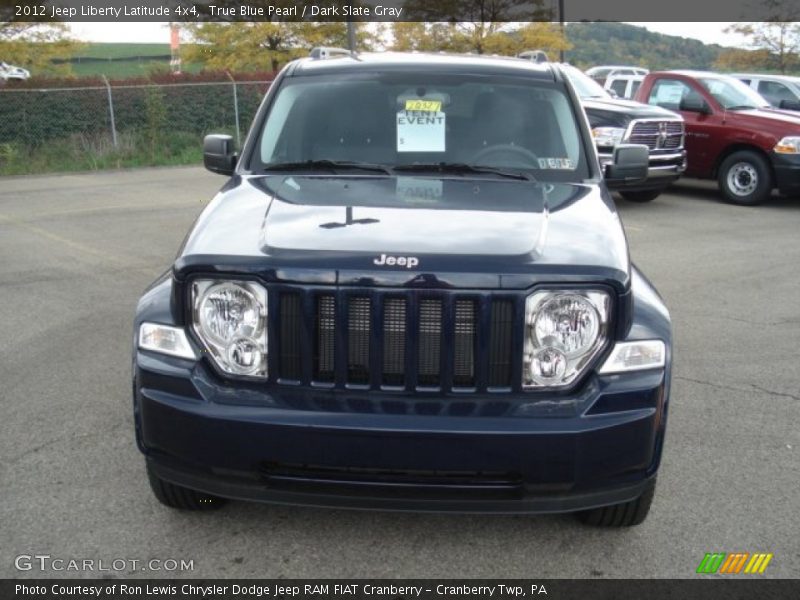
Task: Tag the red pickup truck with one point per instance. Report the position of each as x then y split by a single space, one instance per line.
732 133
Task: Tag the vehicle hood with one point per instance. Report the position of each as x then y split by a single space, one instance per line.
768 116
343 229
624 110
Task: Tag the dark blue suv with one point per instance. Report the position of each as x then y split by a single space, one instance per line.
413 293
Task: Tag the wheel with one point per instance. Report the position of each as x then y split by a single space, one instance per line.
641 195
745 179
524 158
179 497
626 514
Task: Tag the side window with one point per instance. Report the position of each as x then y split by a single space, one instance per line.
775 92
746 81
619 85
668 93
635 85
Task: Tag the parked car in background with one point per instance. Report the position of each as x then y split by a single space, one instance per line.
615 121
781 91
602 73
623 86
733 135
12 73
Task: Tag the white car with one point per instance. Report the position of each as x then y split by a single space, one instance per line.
11 73
601 73
624 86
781 91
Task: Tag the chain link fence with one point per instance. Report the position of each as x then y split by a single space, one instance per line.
66 129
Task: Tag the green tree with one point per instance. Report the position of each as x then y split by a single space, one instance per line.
778 35
478 26
251 46
35 45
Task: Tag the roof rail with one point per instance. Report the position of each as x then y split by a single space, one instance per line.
328 52
537 56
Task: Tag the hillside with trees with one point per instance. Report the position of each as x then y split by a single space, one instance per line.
622 44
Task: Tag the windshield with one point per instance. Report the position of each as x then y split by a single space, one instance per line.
585 86
406 120
732 93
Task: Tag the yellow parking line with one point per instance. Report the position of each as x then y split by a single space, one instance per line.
80 247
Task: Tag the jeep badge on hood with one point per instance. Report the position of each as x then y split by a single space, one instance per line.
409 262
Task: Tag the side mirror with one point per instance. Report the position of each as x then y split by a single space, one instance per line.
631 162
694 104
789 104
612 92
218 154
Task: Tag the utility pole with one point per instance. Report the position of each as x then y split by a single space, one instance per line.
351 36
561 24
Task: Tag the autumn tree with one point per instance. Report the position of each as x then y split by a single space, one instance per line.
531 36
478 26
490 38
778 35
35 45
738 59
251 46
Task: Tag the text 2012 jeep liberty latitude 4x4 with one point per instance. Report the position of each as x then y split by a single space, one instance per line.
413 293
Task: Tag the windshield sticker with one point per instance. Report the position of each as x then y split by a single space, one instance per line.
669 93
424 105
421 130
556 163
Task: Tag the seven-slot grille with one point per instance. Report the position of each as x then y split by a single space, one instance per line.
657 135
382 339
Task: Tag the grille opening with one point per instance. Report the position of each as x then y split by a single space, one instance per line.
429 342
358 330
464 344
649 134
289 360
324 344
341 332
392 483
377 475
394 342
500 343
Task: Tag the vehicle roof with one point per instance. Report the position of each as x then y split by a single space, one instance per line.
423 61
789 78
616 67
692 73
638 76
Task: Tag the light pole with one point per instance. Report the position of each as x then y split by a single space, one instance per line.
351 36
561 24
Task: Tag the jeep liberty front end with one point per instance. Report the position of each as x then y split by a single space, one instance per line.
413 293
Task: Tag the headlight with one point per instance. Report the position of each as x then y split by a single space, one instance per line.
608 136
788 145
564 330
230 317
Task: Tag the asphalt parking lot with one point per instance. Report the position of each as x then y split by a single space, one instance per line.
77 250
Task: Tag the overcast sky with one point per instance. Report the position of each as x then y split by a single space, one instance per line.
158 32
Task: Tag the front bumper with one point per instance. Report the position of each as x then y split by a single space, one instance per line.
787 173
340 448
663 170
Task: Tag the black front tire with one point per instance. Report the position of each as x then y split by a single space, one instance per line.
179 497
641 196
625 514
745 178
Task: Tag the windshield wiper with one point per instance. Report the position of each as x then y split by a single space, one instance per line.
741 107
331 165
464 168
